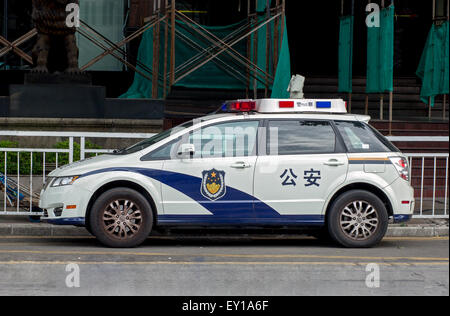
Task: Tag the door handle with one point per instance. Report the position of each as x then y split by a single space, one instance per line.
240 165
334 163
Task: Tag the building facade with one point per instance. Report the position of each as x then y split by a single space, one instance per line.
313 28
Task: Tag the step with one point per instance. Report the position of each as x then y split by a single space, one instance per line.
359 90
412 125
428 181
428 173
404 81
428 193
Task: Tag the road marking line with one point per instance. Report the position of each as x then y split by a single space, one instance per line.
149 254
415 238
443 238
47 237
219 263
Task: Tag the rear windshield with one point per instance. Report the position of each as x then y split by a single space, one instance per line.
359 137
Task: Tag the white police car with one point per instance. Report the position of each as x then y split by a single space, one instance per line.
266 163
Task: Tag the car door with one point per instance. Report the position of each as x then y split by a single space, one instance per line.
303 163
213 184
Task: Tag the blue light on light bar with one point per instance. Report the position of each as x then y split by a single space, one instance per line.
323 104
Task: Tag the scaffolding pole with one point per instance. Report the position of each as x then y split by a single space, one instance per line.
170 75
156 47
430 99
172 43
165 75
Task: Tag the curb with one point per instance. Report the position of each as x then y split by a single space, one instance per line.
46 230
418 231
42 230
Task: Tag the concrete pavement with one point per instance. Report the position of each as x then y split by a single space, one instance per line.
21 226
251 265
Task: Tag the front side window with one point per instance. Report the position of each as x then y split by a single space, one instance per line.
231 139
361 138
297 137
155 139
165 152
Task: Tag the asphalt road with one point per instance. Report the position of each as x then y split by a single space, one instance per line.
256 266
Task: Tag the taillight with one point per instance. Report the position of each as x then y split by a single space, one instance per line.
401 164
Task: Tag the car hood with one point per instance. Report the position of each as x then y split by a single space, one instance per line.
87 165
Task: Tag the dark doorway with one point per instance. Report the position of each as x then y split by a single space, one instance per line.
412 24
313 29
314 35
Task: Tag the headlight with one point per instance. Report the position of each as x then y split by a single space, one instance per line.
62 181
47 182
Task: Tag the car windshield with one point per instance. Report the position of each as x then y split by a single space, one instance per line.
153 140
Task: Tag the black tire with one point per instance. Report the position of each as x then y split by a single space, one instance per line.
350 231
322 235
117 227
89 229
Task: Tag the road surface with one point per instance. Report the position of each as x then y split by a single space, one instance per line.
254 266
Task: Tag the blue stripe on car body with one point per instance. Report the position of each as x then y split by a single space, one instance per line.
233 208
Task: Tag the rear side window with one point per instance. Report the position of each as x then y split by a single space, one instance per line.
361 138
297 137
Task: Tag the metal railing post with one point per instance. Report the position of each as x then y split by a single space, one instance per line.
31 183
6 180
446 187
82 147
18 181
421 186
70 149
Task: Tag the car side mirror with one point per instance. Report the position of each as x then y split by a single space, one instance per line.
186 150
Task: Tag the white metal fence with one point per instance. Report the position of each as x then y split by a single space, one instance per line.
429 171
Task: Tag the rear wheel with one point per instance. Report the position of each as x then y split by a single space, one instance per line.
358 219
121 218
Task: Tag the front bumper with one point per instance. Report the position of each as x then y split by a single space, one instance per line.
78 221
65 205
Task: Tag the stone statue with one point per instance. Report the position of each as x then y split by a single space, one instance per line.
56 47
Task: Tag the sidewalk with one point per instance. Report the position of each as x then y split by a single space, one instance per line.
21 226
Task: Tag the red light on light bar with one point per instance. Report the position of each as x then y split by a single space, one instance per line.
287 104
244 106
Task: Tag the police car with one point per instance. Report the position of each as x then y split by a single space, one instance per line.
255 163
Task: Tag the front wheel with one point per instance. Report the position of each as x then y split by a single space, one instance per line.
358 219
121 218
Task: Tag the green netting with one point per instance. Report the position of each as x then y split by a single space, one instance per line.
380 54
261 58
261 5
142 87
434 64
346 54
212 75
283 73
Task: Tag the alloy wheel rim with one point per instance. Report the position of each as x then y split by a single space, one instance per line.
122 219
359 220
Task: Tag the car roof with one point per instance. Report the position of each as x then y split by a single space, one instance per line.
315 116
